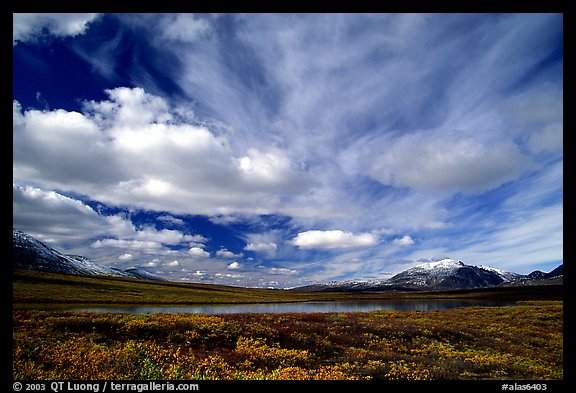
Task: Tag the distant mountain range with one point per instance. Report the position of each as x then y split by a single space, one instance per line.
445 274
31 254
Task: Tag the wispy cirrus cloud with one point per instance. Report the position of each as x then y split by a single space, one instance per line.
378 138
31 26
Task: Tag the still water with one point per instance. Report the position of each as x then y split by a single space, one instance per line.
303 307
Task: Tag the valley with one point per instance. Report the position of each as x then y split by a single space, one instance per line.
42 274
41 288
462 343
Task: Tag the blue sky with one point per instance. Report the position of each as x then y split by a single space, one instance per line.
277 150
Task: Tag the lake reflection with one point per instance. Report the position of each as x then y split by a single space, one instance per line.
304 307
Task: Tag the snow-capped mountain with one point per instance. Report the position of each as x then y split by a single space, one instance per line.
134 272
446 274
346 286
437 275
31 254
538 277
506 276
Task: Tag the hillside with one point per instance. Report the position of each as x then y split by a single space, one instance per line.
31 254
445 274
30 288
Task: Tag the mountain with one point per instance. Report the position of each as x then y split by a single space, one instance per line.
537 277
134 272
506 276
558 272
31 254
346 286
447 274
444 274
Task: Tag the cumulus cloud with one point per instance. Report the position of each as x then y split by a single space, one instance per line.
234 265
74 227
224 253
271 131
104 153
168 219
37 211
270 169
198 252
153 263
62 218
405 240
127 244
172 264
281 271
261 247
333 239
30 27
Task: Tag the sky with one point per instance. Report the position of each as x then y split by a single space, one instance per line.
278 150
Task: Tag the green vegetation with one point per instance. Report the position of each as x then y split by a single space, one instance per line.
519 342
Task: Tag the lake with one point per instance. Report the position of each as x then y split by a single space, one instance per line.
300 307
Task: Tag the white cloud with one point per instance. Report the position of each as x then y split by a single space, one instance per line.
234 265
537 116
183 27
333 239
167 236
405 240
38 211
261 247
29 26
224 253
199 273
229 275
448 162
127 244
104 153
152 263
197 252
62 145
281 271
172 264
272 169
171 220
548 139
274 131
74 227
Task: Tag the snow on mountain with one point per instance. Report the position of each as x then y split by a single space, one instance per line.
506 276
444 264
141 274
443 274
441 267
31 254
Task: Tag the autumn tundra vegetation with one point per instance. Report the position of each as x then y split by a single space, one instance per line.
524 341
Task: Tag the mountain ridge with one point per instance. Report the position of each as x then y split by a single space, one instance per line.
445 274
30 253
